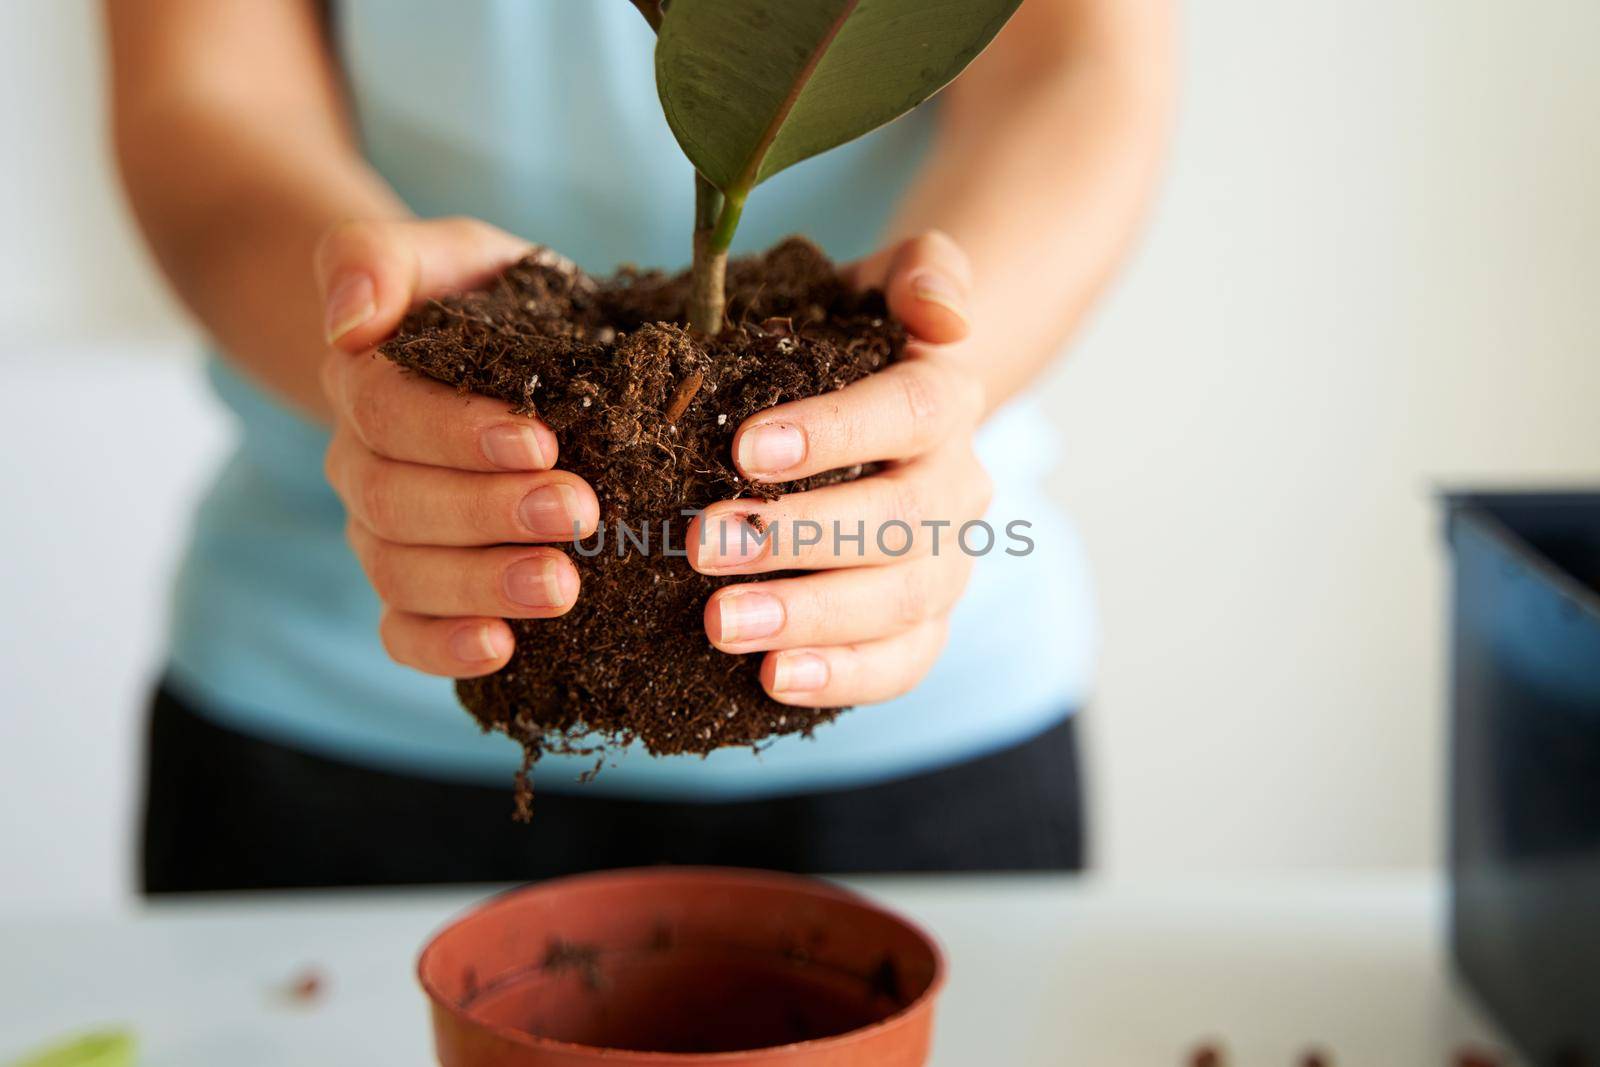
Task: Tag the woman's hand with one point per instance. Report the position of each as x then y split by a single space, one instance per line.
446 493
871 622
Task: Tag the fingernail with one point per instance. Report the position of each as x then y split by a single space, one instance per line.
513 448
730 543
550 511
350 303
473 644
799 672
771 448
540 583
937 289
746 616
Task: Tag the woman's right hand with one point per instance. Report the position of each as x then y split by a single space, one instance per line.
447 494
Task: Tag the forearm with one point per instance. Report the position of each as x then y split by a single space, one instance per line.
1042 172
238 248
233 178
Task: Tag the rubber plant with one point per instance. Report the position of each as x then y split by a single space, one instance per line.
749 88
752 87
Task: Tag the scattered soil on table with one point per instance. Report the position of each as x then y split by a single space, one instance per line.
306 988
602 362
1210 1055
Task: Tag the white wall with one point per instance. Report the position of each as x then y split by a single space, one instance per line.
69 264
105 438
1373 270
1376 270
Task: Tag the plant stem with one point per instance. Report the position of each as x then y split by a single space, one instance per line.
715 218
707 203
707 298
708 276
728 220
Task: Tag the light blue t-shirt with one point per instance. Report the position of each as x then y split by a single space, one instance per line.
541 116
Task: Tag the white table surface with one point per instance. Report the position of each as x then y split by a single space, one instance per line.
1054 970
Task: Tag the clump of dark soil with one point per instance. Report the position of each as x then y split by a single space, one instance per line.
603 362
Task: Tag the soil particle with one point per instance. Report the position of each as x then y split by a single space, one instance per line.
306 988
562 956
886 980
610 366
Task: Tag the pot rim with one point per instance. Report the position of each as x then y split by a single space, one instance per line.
724 875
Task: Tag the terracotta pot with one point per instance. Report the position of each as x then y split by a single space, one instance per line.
681 966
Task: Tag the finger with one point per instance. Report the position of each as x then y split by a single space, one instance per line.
406 417
926 280
913 510
417 505
836 607
898 413
371 273
451 648
512 583
862 673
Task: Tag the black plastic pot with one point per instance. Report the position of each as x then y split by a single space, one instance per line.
1525 766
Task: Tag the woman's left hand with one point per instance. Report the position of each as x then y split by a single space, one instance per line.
870 623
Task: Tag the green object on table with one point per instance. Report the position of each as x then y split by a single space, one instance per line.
103 1048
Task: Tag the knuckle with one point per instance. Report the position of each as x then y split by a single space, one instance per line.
912 600
851 434
483 582
907 501
341 240
970 398
922 398
497 513
938 636
945 250
936 398
341 464
982 485
369 413
957 573
924 244
359 540
824 607
389 633
466 229
330 468
929 245
964 396
383 572
375 497
329 376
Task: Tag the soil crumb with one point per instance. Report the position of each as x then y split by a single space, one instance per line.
602 362
584 959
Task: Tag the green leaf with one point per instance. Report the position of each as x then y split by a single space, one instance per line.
751 87
106 1048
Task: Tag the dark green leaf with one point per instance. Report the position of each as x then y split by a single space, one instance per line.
753 86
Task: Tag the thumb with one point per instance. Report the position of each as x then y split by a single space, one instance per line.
926 280
369 274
